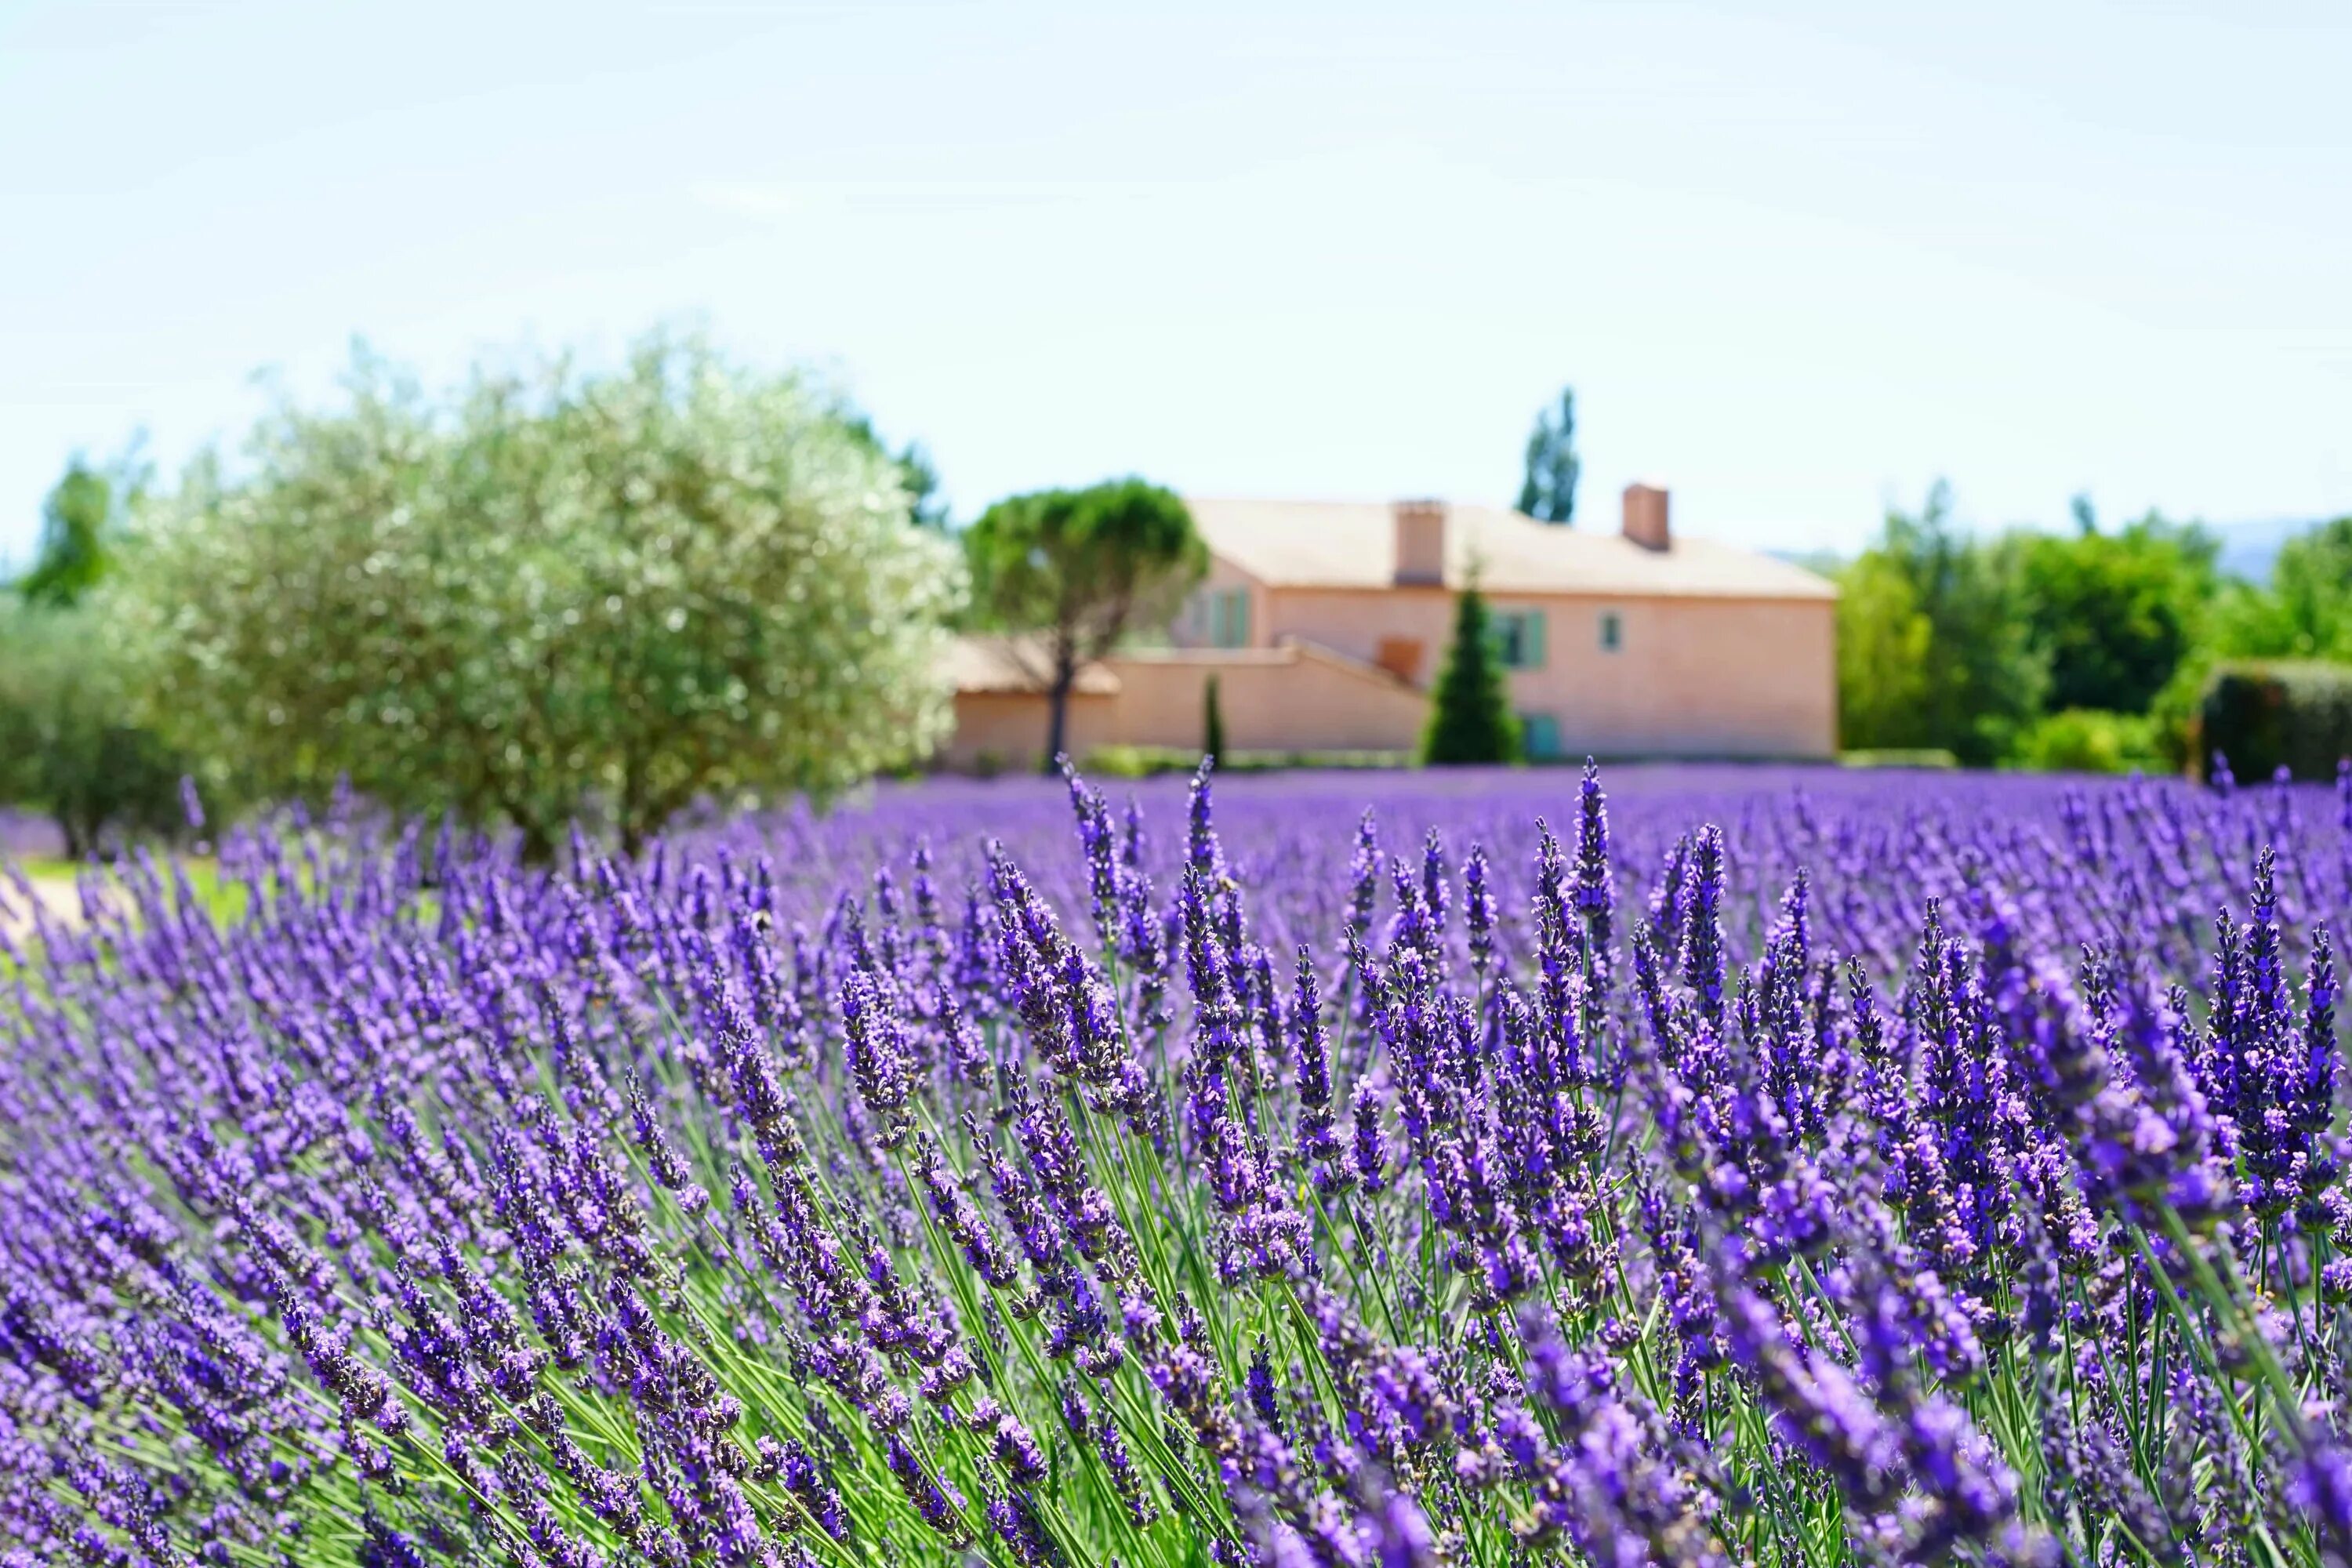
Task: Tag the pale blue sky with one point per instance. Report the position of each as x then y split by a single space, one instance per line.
1797 259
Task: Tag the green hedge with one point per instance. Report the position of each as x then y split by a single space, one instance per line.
2260 715
1143 762
1934 757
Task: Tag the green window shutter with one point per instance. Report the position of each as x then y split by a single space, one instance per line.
1519 638
1229 617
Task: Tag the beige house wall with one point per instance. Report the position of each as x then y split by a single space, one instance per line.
1691 677
1005 732
1272 699
1354 621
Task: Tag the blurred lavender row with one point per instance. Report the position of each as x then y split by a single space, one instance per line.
28 838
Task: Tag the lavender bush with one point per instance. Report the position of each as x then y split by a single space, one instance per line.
1755 1167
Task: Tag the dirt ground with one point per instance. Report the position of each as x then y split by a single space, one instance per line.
56 894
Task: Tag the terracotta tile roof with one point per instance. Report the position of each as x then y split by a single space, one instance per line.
1008 664
1352 544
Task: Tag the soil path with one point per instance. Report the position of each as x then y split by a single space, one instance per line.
55 893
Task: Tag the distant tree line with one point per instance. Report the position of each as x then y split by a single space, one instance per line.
2086 648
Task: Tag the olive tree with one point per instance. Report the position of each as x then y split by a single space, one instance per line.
551 594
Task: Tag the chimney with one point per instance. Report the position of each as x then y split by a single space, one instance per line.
1645 516
1420 541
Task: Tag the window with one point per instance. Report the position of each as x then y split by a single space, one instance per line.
1612 631
1519 638
1218 618
1540 736
1229 617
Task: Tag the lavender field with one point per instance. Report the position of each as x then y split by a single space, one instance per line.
1750 1165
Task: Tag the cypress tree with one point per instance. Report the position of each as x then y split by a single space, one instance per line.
1212 724
1470 718
1549 495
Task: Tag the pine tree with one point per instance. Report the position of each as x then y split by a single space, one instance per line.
1470 718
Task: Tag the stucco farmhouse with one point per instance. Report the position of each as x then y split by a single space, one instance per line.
1325 623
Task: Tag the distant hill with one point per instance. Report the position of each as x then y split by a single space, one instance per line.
2248 548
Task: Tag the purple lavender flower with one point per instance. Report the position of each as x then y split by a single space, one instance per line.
339 1224
879 1057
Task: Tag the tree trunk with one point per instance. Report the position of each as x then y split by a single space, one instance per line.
633 808
538 844
1058 705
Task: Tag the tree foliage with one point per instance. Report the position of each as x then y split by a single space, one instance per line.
926 507
550 593
1213 722
2113 614
1547 490
1935 649
2081 648
1884 642
2306 610
82 530
1074 570
1470 717
69 747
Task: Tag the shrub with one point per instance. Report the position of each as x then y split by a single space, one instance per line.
2089 740
1213 723
2262 716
